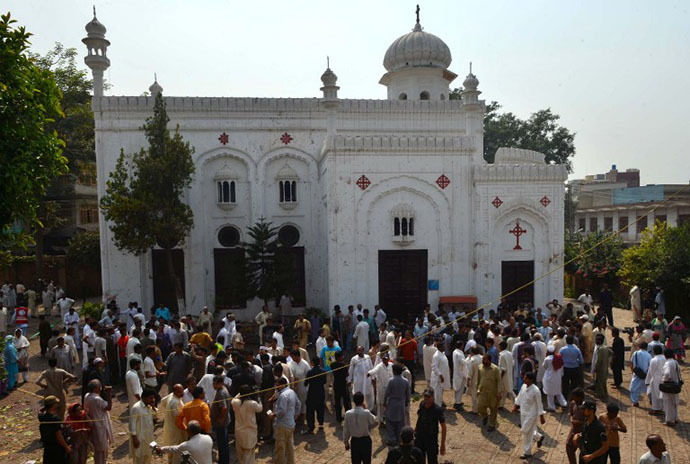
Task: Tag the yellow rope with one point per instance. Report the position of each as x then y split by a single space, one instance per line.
557 268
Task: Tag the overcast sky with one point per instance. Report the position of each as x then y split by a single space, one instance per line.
616 71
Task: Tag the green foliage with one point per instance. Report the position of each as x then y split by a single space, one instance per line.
85 250
92 310
269 272
30 149
143 197
661 259
601 256
76 126
540 132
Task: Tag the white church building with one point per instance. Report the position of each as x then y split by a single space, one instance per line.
385 201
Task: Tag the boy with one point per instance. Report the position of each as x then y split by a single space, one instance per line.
613 425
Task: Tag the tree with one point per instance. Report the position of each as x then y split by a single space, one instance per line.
661 259
76 127
540 132
31 151
269 272
143 197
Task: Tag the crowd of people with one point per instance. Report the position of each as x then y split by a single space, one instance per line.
208 387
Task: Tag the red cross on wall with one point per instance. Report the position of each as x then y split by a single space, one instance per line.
224 138
363 182
443 181
517 231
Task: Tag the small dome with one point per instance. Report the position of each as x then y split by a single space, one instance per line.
328 77
225 173
155 88
94 28
286 172
471 82
417 48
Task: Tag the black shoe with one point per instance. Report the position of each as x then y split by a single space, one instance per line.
490 428
485 421
540 442
526 456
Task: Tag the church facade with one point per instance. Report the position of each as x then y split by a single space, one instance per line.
384 202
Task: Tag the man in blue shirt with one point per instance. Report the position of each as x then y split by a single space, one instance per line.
287 407
328 355
491 350
572 366
163 311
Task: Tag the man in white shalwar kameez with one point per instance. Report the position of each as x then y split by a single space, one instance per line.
360 365
427 355
361 334
299 368
380 376
459 374
670 372
171 405
506 365
440 373
531 410
473 363
654 374
552 380
141 428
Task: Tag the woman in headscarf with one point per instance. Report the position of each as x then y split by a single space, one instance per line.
10 356
21 344
676 340
79 431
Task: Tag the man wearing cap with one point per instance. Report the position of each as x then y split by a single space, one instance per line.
205 317
55 447
429 416
592 441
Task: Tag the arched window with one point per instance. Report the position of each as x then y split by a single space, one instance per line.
443 96
396 227
403 224
288 191
226 192
424 95
402 96
403 227
410 227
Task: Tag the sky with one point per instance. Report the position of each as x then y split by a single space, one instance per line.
617 72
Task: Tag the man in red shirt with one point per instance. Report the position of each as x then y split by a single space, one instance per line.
408 350
122 349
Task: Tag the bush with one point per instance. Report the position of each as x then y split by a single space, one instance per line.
92 310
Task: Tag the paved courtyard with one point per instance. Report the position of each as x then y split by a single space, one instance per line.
467 442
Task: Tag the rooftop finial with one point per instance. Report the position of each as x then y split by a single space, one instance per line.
94 11
470 67
417 11
328 62
155 76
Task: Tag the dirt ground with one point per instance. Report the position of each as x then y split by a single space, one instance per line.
466 442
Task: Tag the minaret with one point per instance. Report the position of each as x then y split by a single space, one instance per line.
155 88
329 89
474 112
97 58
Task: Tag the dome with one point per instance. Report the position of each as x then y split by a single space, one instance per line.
417 48
94 28
329 77
471 82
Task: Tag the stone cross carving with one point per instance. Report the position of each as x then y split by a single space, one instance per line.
417 11
517 231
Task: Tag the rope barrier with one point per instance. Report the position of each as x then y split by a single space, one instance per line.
438 329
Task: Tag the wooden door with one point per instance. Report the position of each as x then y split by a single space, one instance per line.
163 285
403 283
230 271
515 274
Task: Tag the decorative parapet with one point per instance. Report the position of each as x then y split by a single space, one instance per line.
398 144
518 156
520 173
234 104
